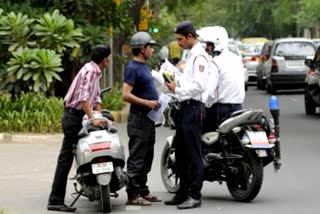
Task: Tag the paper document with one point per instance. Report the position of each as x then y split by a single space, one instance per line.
157 116
158 75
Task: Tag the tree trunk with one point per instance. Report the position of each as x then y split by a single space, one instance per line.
120 39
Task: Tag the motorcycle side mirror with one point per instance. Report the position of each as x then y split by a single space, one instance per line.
104 91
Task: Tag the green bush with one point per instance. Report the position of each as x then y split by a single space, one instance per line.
112 100
30 113
40 114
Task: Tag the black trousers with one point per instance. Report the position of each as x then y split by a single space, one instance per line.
188 121
216 114
71 124
141 131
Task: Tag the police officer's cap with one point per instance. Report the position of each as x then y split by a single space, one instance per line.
185 27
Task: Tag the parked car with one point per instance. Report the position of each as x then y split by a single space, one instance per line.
250 53
260 70
312 90
285 68
316 42
234 48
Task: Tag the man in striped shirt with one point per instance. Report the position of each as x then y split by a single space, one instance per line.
82 98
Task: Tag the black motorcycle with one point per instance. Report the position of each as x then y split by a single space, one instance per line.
236 153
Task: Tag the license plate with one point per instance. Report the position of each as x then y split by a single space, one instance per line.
299 63
98 168
258 139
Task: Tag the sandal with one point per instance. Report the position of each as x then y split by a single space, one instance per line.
151 198
138 201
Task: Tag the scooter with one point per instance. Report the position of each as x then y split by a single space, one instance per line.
100 160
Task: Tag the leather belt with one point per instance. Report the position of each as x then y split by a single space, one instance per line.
188 102
74 111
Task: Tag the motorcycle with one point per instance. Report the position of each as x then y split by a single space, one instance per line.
236 153
100 160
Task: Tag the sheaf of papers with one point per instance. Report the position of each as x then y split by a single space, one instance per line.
157 116
158 75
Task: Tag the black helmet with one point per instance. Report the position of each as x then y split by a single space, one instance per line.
141 39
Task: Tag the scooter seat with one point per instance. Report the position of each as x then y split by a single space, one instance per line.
107 114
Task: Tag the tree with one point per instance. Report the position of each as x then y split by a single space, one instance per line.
35 50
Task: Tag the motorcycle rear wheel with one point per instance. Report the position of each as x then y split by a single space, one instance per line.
169 175
245 185
105 201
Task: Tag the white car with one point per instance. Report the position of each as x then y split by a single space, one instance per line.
234 48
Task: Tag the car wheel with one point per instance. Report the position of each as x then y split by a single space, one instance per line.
258 83
310 106
271 88
263 84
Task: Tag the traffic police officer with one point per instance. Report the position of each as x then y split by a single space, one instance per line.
226 91
188 120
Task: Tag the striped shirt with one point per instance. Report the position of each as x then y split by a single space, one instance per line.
84 87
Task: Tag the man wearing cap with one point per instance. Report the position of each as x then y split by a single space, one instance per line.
189 91
83 96
140 91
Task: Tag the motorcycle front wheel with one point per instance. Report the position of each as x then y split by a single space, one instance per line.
168 168
105 201
245 185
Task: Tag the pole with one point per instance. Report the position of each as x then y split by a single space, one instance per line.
110 68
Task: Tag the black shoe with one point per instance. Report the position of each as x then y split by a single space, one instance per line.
61 207
190 203
176 200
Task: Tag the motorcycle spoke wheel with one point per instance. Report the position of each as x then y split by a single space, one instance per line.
169 175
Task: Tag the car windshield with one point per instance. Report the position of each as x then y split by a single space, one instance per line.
294 49
234 49
250 49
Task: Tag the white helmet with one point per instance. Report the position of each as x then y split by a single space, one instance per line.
216 35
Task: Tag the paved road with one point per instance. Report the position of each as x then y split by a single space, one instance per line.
27 171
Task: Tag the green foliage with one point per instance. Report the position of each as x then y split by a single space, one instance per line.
15 31
113 100
30 113
37 113
94 34
309 13
55 32
36 68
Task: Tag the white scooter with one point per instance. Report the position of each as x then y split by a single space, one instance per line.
100 160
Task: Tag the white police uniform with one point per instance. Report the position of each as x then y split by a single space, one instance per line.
188 120
225 92
226 81
194 80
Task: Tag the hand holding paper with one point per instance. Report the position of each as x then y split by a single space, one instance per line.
156 116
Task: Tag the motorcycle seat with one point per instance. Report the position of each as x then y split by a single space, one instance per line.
244 117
